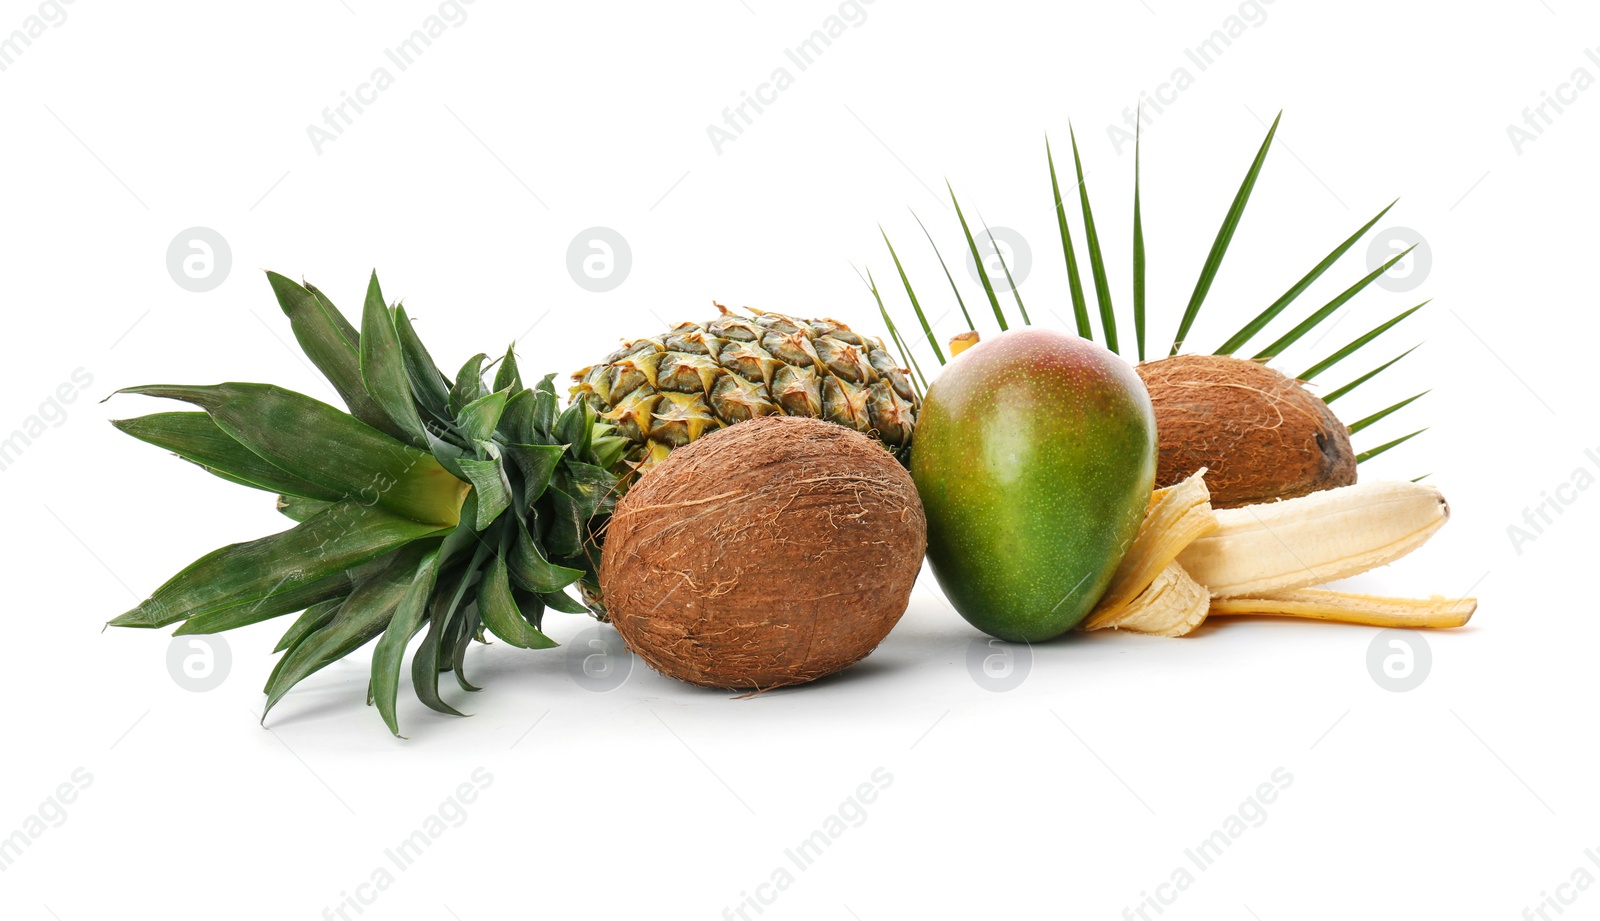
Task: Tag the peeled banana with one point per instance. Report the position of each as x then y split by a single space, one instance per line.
1328 535
1190 562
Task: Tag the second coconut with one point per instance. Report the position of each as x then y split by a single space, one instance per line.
1035 457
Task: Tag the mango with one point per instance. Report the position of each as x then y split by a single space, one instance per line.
1035 457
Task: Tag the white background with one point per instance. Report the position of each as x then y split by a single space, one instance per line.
1072 794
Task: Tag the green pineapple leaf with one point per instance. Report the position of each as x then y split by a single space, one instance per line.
531 608
502 615
1219 247
532 572
545 405
310 619
393 538
469 384
327 447
363 616
389 655
330 342
537 463
562 602
508 377
383 369
436 652
478 420
194 437
461 634
428 384
491 487
345 535
291 596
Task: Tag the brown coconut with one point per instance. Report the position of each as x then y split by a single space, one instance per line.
1261 435
769 553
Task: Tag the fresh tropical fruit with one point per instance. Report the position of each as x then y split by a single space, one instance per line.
1035 457
1258 434
434 505
662 392
770 553
1341 532
1328 535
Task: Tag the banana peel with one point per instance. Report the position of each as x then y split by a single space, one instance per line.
1372 610
1178 516
1190 562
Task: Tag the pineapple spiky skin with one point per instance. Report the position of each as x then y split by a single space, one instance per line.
662 392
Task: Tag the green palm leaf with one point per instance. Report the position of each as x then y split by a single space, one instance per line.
977 260
915 304
948 277
1357 426
1357 343
1097 263
1010 282
1365 456
1080 307
1138 246
1219 247
1336 394
1238 339
894 333
1327 310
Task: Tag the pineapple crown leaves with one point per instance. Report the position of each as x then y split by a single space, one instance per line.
437 506
1083 318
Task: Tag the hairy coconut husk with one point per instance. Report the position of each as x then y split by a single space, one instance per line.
1261 435
769 553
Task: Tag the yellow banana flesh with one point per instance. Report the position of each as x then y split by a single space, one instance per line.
1328 535
1190 562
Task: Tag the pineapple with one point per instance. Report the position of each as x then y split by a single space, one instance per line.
434 505
454 509
665 391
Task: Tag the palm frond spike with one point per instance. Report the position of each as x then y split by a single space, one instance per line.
1219 248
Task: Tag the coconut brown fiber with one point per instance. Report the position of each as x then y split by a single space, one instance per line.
769 553
1261 435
